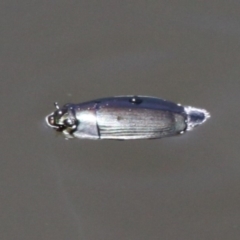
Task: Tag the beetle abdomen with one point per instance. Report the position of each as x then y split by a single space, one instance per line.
127 123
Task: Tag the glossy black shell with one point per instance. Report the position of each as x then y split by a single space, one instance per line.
131 117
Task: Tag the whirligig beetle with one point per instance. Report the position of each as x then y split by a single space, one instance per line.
124 118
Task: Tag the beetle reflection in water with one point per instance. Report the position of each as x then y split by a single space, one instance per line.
125 118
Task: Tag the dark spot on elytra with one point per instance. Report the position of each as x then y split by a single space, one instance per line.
119 118
135 100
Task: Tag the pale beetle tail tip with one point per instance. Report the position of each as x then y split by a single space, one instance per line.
195 116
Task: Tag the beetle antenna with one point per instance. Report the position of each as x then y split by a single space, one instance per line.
56 105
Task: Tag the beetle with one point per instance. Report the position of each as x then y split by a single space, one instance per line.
125 118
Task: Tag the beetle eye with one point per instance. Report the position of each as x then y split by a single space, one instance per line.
59 112
51 120
69 122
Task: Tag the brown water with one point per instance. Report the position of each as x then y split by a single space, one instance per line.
181 188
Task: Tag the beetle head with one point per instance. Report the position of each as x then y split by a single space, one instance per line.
63 119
